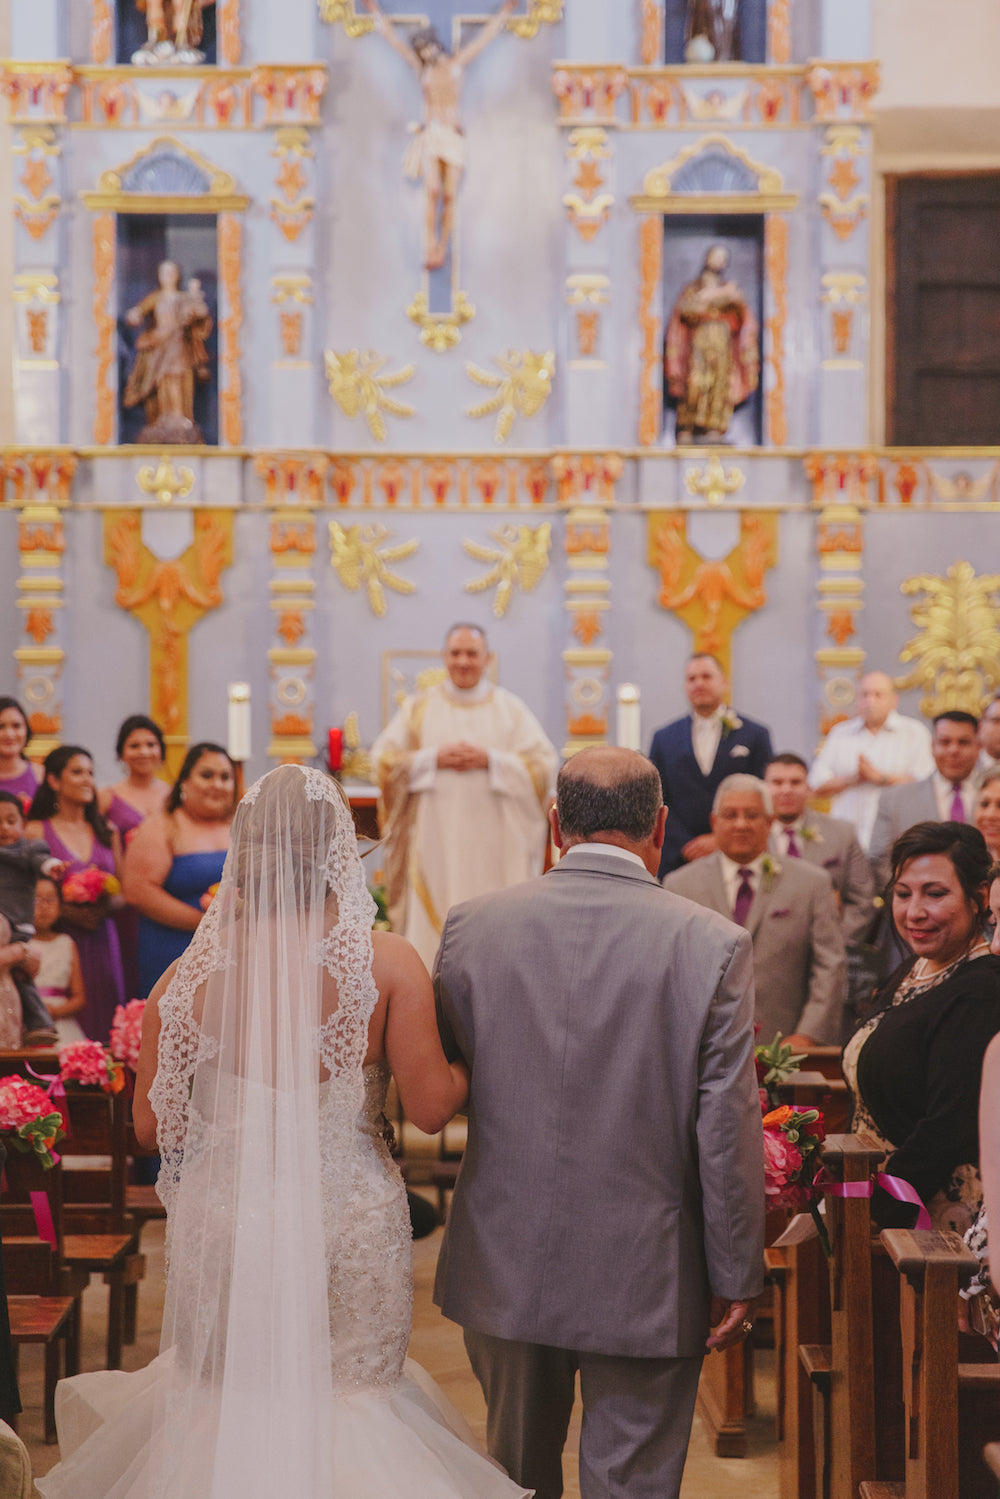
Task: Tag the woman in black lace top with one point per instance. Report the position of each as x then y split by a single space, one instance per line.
914 1067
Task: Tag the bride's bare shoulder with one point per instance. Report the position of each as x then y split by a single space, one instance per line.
395 959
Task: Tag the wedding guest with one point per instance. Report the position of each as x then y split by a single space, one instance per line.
878 748
914 1066
17 774
829 843
613 1122
948 794
787 906
59 978
982 1293
694 754
176 856
65 814
139 794
987 813
989 733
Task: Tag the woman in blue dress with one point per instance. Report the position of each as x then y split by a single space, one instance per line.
176 856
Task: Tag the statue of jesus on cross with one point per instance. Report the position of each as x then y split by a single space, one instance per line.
436 155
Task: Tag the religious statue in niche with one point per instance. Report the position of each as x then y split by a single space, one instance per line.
173 30
171 354
712 31
712 359
436 155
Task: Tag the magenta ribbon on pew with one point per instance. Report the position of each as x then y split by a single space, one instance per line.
56 1089
894 1185
42 1209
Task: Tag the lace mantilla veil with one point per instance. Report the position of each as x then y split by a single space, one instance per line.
259 1083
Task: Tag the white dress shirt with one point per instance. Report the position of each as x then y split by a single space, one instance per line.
732 879
706 732
944 795
602 848
901 747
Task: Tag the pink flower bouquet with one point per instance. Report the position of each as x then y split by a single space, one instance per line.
28 1119
85 887
88 1064
792 1138
126 1032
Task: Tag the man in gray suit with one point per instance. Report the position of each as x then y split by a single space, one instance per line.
829 843
787 906
609 1210
949 795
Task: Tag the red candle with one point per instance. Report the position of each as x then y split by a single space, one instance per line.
335 749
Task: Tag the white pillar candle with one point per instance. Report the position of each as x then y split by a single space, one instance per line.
238 741
629 724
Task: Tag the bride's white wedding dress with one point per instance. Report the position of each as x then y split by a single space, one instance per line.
289 1291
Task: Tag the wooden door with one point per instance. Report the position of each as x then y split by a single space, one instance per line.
943 310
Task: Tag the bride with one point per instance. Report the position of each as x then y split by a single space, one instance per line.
266 1054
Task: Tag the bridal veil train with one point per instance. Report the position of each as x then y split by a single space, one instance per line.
289 1290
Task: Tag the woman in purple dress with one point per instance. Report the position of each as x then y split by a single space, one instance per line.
138 795
16 773
65 814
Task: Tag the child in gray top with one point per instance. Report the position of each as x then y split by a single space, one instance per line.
21 862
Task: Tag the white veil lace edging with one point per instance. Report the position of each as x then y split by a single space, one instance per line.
263 1035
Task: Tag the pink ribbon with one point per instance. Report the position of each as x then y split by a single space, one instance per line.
42 1209
895 1186
56 1090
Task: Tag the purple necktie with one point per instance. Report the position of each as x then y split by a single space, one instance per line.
957 805
744 898
793 847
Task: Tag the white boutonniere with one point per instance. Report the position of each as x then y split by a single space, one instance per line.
810 835
770 868
730 721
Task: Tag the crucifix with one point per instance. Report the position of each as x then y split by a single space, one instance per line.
436 155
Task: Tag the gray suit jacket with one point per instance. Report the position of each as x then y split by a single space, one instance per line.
833 846
613 1178
799 960
899 807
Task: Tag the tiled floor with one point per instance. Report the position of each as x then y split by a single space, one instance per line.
437 1345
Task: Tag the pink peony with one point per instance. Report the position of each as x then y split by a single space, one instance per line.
85 1062
84 887
782 1162
126 1032
21 1101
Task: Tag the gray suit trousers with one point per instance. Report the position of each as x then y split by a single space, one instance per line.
637 1415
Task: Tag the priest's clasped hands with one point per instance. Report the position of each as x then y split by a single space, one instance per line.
462 756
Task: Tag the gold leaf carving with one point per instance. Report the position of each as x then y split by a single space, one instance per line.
360 558
522 389
359 389
957 652
520 561
104 272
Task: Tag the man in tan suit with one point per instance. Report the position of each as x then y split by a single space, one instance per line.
787 906
609 1210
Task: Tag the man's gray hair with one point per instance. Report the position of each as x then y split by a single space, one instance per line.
744 783
628 806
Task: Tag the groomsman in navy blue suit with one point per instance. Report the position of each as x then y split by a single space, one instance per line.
693 754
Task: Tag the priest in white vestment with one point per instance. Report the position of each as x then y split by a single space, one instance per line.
466 775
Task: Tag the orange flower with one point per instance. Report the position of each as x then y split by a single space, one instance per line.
778 1117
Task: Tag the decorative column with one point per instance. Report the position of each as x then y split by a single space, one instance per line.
42 481
839 483
36 99
586 490
588 204
842 96
294 484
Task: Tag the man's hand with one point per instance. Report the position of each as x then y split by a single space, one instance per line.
867 772
727 1319
30 963
700 848
463 756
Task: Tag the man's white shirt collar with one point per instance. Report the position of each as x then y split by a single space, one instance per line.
476 694
603 848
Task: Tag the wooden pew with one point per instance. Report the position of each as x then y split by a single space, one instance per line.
950 1406
801 1284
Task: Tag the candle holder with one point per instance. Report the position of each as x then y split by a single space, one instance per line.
628 724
